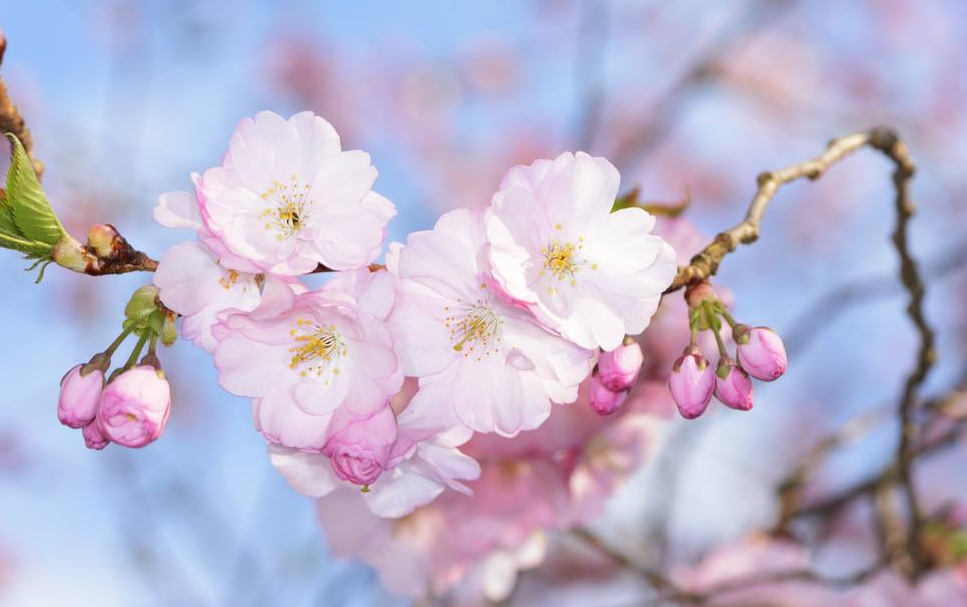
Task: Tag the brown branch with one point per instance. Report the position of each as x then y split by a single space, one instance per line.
669 590
706 263
790 490
106 252
887 142
866 487
12 122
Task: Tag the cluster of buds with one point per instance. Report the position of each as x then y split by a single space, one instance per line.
759 354
130 407
617 371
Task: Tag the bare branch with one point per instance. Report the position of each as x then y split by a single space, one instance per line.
886 141
12 122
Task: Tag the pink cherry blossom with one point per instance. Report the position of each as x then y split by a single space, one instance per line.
318 352
471 550
618 369
79 395
422 462
193 283
287 198
557 247
691 382
134 407
473 349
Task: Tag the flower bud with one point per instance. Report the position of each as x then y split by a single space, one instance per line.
143 304
134 407
691 383
733 386
761 352
359 450
70 254
618 369
604 401
80 393
94 438
104 240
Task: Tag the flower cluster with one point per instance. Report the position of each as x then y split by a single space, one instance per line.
376 378
132 407
759 354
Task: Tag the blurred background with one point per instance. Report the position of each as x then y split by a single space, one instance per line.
127 97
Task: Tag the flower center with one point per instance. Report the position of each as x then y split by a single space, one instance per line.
288 207
562 259
317 348
475 326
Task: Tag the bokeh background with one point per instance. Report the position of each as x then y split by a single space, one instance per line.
127 97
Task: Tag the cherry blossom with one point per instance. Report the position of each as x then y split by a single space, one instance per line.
288 198
471 347
304 356
557 247
420 464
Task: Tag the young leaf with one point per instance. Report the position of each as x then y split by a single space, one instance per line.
34 218
7 225
31 248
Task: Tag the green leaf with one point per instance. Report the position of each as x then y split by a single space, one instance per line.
7 224
33 217
31 248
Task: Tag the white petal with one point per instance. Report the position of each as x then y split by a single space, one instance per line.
307 473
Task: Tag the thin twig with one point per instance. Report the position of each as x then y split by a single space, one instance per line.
706 263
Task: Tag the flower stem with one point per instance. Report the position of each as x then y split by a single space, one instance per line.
117 342
137 351
709 318
728 317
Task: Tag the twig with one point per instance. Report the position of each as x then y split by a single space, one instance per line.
887 142
12 122
790 490
706 263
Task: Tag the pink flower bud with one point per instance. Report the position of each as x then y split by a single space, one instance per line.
79 395
733 386
761 352
618 369
94 438
134 407
604 401
359 450
691 383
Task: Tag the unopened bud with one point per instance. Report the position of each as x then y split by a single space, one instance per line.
603 400
618 369
733 386
691 383
104 240
761 352
142 304
70 254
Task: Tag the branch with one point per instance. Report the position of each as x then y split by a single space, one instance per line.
706 263
669 590
12 122
886 141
